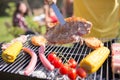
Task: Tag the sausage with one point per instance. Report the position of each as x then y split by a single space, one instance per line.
44 60
30 67
41 49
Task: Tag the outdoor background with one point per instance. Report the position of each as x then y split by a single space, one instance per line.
7 8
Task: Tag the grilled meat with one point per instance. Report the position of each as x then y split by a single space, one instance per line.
93 42
38 40
30 67
116 57
70 32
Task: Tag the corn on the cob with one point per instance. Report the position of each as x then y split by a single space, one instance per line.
93 61
10 54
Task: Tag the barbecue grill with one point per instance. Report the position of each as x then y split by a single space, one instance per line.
14 71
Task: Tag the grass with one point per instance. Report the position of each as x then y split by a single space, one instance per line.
4 35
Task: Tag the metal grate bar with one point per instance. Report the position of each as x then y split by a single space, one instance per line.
15 65
4 65
18 61
39 62
101 71
25 59
77 52
56 50
41 67
56 71
107 68
78 59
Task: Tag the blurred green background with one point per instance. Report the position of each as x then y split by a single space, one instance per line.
7 7
5 35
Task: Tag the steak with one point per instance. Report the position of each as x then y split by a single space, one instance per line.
70 32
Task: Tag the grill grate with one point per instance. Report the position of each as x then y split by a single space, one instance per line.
77 52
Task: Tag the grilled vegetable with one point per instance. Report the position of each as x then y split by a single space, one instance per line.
72 63
10 54
81 72
51 57
92 62
72 74
64 69
33 61
57 62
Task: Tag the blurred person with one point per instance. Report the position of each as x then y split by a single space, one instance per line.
104 14
19 17
68 8
50 16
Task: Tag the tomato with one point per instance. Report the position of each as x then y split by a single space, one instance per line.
51 57
64 69
72 63
72 73
57 63
81 72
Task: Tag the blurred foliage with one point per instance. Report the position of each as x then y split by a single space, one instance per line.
16 31
31 23
11 8
33 5
35 26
